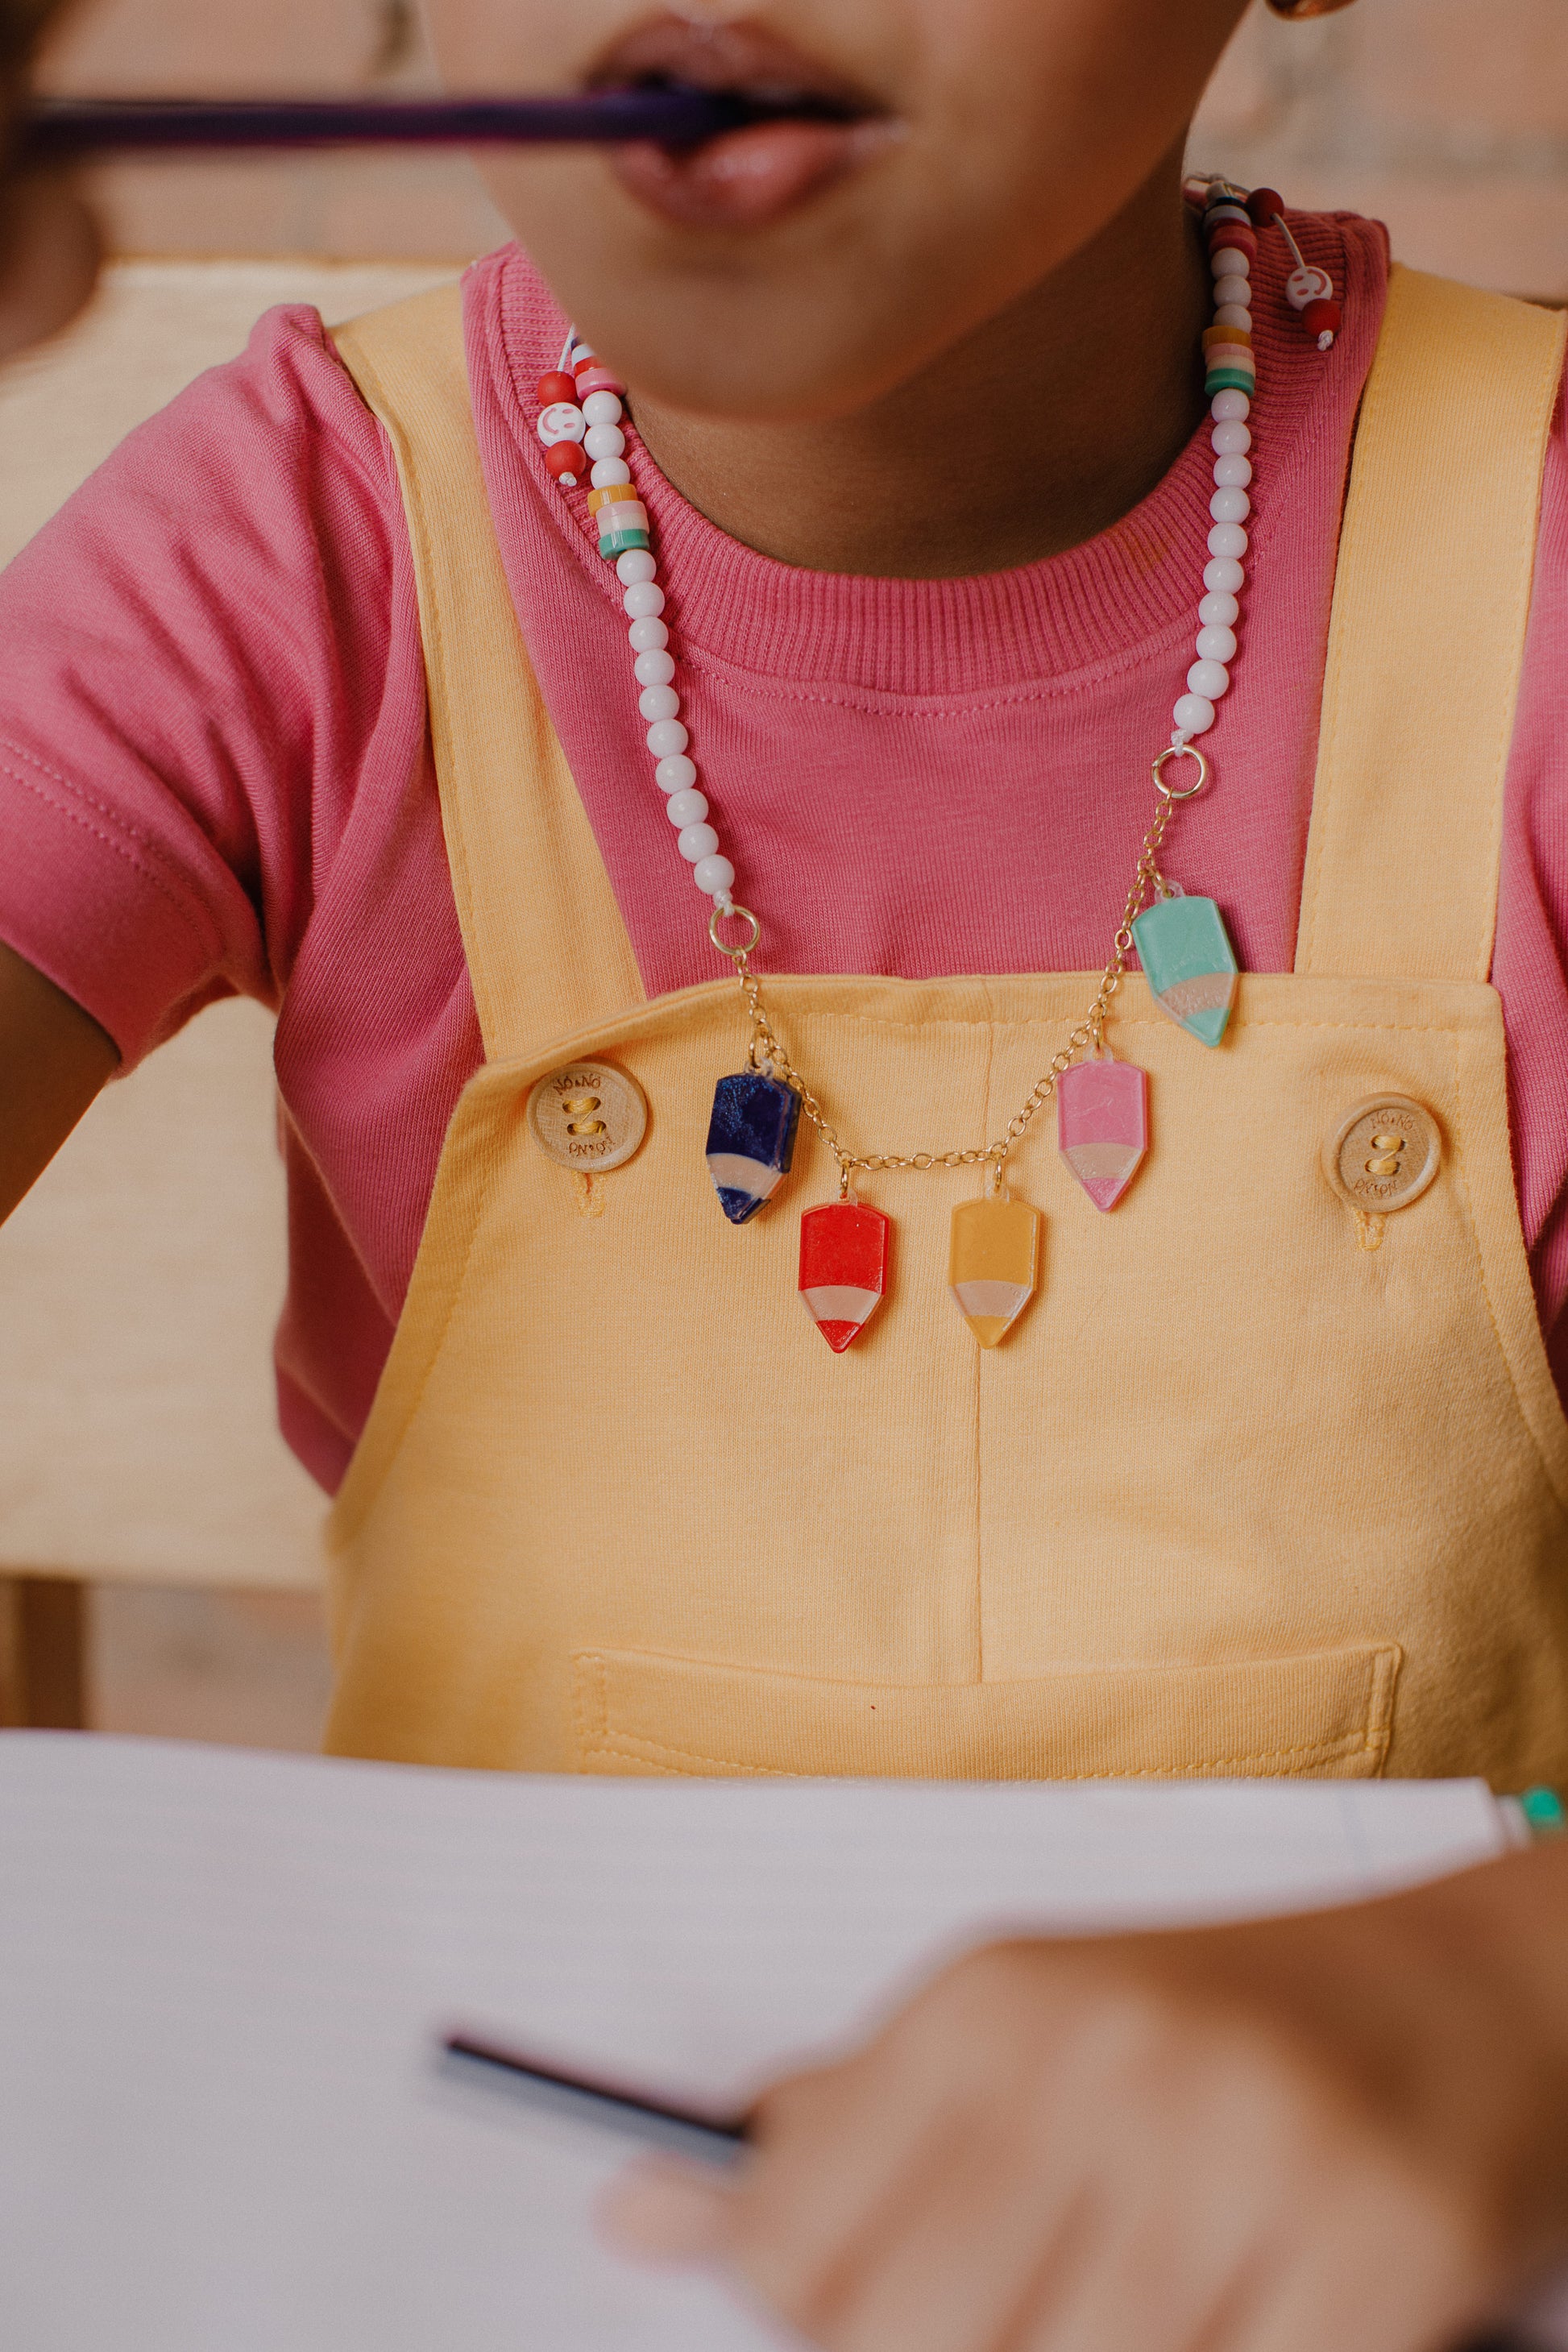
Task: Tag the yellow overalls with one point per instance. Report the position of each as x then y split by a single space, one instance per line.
1256 1484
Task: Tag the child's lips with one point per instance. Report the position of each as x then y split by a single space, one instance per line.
745 178
822 125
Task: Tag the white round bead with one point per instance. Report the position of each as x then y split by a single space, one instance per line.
1230 406
636 565
610 472
647 637
604 441
665 737
1194 714
677 774
1231 440
602 408
1234 314
1232 472
686 808
1224 576
654 668
1227 539
1230 506
1228 293
1215 644
1229 261
1220 611
562 421
714 875
644 600
697 841
1208 679
659 702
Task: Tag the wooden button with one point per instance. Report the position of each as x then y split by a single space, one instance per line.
1383 1154
589 1115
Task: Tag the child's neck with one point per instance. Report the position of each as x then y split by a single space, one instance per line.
1042 428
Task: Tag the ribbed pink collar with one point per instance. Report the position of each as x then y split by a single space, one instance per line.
1134 582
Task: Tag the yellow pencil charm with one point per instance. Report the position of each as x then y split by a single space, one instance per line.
993 1262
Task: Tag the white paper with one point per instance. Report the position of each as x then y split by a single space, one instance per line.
223 1977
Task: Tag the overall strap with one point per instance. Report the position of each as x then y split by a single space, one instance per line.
1431 606
547 950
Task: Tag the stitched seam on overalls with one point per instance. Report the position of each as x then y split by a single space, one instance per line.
1130 1020
1527 1419
1350 1743
398 1438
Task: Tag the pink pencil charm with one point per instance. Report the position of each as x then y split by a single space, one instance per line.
843 1268
1102 1125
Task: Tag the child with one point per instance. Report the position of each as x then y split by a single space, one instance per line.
1253 1461
921 504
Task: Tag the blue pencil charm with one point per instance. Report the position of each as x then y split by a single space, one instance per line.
1189 962
750 1140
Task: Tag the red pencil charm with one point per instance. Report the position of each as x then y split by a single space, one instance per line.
843 1268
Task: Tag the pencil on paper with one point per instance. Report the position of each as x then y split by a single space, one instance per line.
681 2131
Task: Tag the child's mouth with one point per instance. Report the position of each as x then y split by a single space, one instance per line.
809 126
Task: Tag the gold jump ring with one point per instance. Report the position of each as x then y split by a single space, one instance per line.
742 915
1179 752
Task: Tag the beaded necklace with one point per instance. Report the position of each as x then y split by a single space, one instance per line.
1102 1104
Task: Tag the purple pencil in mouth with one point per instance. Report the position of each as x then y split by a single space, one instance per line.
815 125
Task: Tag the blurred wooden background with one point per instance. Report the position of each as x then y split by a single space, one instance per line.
1444 118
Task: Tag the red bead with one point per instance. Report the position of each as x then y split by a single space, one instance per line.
555 387
1320 318
565 460
1264 204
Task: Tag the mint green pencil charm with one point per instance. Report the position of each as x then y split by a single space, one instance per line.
1189 962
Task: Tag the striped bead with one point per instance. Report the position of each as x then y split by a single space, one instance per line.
593 375
1229 234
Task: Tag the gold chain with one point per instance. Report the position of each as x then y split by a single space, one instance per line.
767 1052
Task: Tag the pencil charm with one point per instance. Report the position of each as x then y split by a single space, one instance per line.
843 1268
750 1140
1102 1125
1190 963
992 1262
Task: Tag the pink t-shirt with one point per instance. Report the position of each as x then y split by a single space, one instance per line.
214 777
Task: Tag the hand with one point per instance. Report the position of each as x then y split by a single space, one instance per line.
1347 2131
48 247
